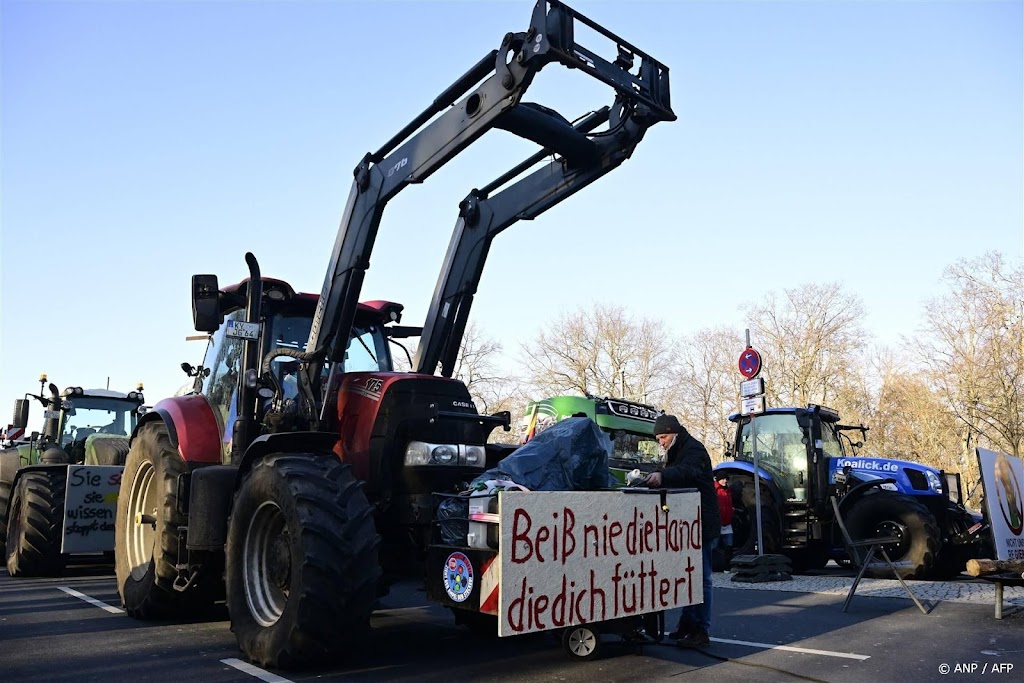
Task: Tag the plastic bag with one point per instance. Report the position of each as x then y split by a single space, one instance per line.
571 455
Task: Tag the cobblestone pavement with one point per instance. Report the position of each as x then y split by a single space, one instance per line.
971 591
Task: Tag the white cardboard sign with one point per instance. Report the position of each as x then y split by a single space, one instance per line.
1003 478
90 508
572 557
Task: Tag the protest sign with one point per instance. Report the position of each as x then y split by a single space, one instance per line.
589 556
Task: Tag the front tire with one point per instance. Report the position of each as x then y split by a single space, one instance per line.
302 565
744 522
36 524
891 514
146 530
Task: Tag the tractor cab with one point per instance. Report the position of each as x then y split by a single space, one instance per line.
281 336
77 420
785 448
94 415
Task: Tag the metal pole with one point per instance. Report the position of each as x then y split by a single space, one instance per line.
757 475
757 487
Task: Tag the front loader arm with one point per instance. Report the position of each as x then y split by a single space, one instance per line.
496 102
482 217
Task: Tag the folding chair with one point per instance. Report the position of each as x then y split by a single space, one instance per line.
874 548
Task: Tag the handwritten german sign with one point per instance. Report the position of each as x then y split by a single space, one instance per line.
90 508
584 557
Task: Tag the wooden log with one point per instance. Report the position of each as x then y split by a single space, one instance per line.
982 567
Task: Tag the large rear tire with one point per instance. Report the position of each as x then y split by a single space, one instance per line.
302 565
893 514
36 524
146 532
744 521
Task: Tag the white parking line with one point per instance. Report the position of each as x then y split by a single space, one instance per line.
254 671
91 601
790 648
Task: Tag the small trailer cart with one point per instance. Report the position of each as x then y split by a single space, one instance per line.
582 562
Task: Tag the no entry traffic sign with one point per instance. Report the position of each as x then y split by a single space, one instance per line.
750 363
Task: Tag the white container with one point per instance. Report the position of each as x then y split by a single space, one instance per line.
479 516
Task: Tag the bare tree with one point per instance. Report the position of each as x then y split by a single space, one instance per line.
707 387
603 352
812 341
972 346
476 366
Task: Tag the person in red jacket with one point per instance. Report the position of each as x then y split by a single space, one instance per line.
725 509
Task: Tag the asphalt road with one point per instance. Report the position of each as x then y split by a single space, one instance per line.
50 632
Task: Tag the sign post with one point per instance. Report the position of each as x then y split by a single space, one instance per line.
752 393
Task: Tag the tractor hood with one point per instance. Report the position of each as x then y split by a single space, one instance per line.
912 478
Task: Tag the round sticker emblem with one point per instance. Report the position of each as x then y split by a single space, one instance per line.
458 577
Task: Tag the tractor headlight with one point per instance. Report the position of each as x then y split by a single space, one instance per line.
445 454
934 482
420 453
475 456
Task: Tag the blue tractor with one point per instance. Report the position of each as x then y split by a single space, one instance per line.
805 457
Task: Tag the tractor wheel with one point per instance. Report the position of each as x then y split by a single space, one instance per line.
146 531
744 521
302 565
36 524
892 514
5 499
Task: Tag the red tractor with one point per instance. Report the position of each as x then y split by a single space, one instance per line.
296 480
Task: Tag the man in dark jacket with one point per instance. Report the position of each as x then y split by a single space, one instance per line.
687 465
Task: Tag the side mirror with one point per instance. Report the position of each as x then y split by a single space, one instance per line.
189 370
206 313
20 413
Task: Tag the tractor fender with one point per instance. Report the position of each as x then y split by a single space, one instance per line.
211 489
192 426
10 463
35 468
858 492
317 443
746 469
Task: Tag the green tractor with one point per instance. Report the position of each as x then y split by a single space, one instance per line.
629 425
58 490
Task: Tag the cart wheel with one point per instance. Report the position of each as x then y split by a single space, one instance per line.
582 642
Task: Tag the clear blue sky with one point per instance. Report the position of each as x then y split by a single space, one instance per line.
870 143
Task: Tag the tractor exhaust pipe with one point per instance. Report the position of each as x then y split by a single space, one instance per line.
244 430
51 426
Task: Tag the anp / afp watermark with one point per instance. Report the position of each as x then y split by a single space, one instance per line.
976 668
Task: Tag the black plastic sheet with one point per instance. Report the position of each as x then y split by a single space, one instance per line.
571 455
